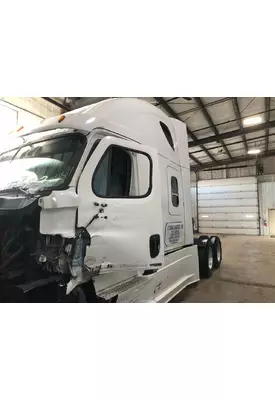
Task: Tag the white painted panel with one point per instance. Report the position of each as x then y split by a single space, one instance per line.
229 224
229 216
227 231
227 182
228 202
266 202
250 209
234 195
228 189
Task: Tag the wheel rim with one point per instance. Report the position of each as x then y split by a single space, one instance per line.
210 258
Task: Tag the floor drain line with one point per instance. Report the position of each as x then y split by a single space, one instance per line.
239 282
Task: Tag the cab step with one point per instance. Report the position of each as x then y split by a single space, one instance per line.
135 282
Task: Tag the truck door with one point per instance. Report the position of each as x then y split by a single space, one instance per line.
120 204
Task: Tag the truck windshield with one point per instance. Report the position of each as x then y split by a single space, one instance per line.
39 166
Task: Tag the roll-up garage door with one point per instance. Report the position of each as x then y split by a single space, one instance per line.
228 206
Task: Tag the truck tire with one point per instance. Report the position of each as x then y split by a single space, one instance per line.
205 251
202 238
217 251
84 293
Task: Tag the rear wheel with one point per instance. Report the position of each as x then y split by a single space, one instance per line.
217 251
201 239
206 260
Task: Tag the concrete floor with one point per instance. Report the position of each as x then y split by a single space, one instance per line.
247 273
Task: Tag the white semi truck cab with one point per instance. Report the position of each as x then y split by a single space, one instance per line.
95 206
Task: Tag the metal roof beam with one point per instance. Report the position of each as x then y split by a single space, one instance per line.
235 160
56 103
232 120
267 109
208 154
239 117
193 137
211 123
167 101
232 134
254 139
172 114
195 160
86 101
212 103
167 108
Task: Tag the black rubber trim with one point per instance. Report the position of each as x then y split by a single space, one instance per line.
178 249
150 271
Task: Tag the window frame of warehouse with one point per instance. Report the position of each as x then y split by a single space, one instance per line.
228 206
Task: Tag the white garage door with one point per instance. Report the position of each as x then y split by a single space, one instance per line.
228 206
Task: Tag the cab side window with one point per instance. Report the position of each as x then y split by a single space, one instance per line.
122 173
167 134
175 191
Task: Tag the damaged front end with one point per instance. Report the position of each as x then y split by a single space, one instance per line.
41 250
37 261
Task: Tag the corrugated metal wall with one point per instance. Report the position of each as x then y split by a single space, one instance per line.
228 206
193 188
269 165
233 172
266 201
239 170
194 203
